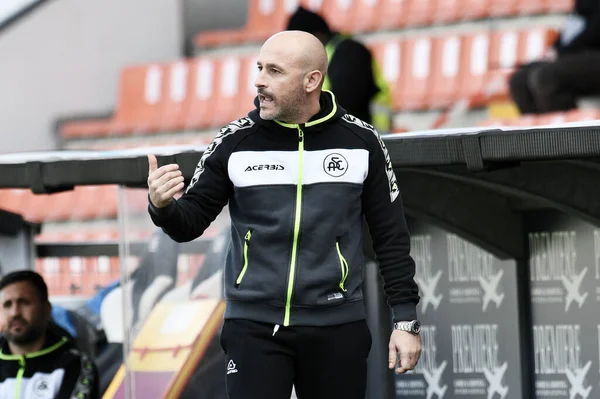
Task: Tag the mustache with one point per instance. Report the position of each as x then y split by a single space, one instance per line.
17 319
265 93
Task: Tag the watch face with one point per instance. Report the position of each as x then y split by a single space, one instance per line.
417 327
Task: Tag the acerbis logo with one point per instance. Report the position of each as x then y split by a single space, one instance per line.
335 165
264 167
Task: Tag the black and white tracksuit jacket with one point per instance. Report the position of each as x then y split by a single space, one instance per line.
58 371
297 195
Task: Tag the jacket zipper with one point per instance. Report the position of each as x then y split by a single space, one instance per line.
290 289
245 266
20 377
343 265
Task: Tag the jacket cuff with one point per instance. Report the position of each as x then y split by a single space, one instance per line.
406 311
161 212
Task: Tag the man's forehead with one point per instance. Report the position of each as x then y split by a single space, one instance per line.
276 55
20 289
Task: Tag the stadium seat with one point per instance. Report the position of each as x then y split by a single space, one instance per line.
340 14
503 8
366 15
511 48
140 101
419 12
201 88
528 7
391 14
446 71
473 9
582 115
265 17
552 118
388 54
446 11
503 58
474 61
559 6
176 95
228 88
248 89
83 276
82 203
406 65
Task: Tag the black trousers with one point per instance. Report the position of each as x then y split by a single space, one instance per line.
321 362
542 87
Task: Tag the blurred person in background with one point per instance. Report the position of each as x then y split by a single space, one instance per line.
353 75
568 71
300 175
37 359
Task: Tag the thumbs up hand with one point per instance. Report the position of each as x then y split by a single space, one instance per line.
163 182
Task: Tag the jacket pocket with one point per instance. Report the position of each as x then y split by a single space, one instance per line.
343 266
240 277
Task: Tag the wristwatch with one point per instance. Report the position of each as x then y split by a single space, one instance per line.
413 327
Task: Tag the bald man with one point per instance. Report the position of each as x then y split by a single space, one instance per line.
299 174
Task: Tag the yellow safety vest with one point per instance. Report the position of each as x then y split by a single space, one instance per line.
381 103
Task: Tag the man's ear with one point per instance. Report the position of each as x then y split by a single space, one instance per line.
313 81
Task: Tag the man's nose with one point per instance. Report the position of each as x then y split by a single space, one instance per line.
259 81
14 311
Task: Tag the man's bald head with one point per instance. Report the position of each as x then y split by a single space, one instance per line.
292 67
300 48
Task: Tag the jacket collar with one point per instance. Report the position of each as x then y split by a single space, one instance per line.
330 112
53 343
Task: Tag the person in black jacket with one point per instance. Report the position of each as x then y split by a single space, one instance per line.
36 360
568 71
299 173
351 71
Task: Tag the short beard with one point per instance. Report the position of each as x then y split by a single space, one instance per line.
34 333
290 110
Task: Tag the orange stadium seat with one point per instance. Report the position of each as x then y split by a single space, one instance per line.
388 54
552 118
416 79
366 15
582 115
66 276
446 71
559 6
200 89
534 42
527 7
340 14
503 58
141 89
503 8
474 67
82 203
265 17
248 89
176 95
474 9
228 89
407 66
392 14
437 71
419 12
445 11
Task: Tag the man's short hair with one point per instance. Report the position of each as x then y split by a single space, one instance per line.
27 275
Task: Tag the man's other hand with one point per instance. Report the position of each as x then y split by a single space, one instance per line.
163 182
408 347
